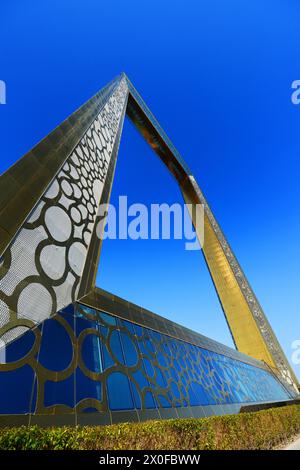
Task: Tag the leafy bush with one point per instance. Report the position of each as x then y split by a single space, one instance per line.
261 430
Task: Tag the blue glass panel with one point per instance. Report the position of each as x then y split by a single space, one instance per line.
148 367
150 401
193 353
182 362
155 335
88 311
20 347
86 387
175 390
104 330
176 365
82 324
164 402
149 345
115 346
161 360
138 330
130 352
106 357
174 374
160 379
143 349
173 345
115 383
200 393
167 349
70 319
59 393
56 350
136 395
141 379
70 310
16 388
205 365
127 325
68 313
91 353
108 318
193 398
188 363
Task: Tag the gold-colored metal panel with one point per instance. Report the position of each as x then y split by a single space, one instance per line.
243 327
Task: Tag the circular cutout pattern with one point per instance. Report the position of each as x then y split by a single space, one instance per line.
77 254
35 303
58 223
53 261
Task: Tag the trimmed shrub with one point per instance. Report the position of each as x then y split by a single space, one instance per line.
260 430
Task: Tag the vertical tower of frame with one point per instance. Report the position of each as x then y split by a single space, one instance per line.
48 212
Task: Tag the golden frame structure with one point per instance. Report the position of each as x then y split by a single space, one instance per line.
27 193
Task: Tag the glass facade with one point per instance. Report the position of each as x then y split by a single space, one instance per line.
49 256
88 361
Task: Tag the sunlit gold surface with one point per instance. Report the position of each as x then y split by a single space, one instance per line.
244 330
246 334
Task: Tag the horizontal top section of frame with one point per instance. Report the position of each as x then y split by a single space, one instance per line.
147 124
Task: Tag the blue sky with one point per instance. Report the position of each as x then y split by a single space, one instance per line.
218 76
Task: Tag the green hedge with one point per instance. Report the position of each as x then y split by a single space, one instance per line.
261 430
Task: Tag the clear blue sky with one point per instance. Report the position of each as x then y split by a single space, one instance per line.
217 74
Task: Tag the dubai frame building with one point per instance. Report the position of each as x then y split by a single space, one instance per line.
76 354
